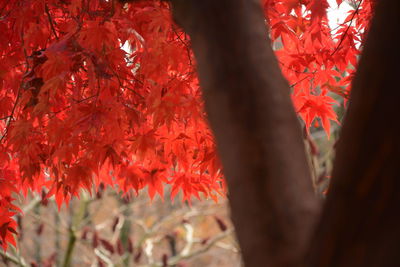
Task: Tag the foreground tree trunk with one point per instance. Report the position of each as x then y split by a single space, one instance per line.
360 222
256 129
260 144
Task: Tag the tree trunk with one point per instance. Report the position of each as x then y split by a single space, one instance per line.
360 224
259 141
258 135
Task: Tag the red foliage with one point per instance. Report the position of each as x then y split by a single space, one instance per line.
77 110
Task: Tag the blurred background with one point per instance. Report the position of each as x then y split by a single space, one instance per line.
109 229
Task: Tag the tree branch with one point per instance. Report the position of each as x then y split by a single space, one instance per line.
258 135
360 222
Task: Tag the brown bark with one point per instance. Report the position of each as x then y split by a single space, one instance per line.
259 140
360 224
258 136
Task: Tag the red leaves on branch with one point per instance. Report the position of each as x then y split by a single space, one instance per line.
318 10
107 93
7 210
311 106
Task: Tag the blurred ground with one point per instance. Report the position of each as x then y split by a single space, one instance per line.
112 230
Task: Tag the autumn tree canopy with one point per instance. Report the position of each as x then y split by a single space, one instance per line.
101 93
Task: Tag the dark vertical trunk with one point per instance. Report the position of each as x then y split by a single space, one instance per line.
256 129
360 224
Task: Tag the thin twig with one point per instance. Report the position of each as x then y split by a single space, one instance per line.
347 29
185 44
18 262
176 259
4 118
46 8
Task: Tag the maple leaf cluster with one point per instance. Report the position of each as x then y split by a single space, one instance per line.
7 209
96 93
319 62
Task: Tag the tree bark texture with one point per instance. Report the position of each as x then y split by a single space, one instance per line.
260 145
360 225
259 140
